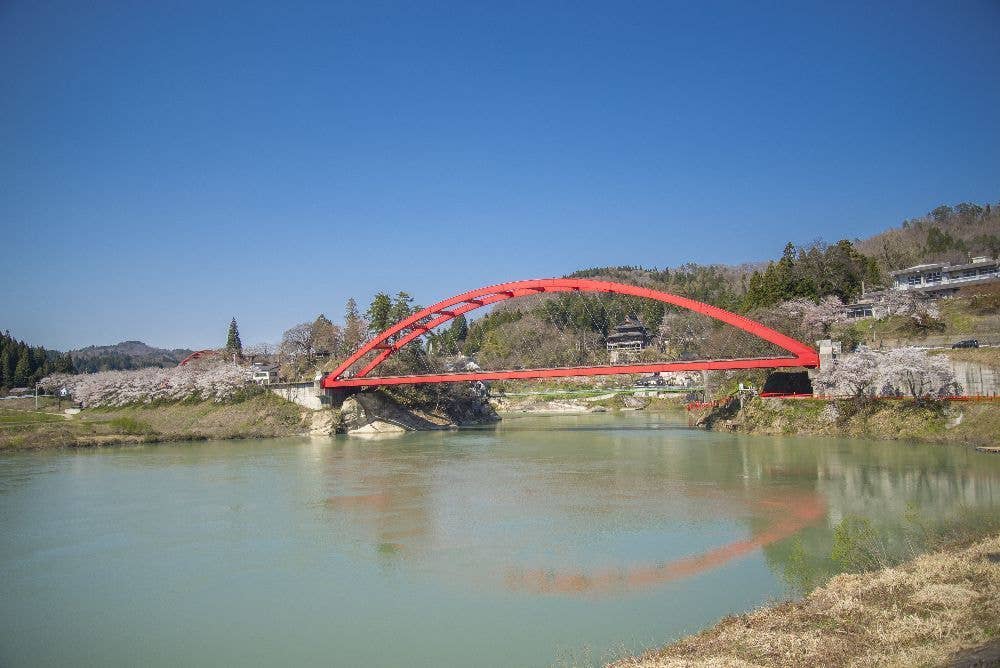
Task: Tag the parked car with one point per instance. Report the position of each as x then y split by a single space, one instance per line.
968 343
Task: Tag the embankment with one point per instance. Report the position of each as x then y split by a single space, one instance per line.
257 416
960 422
940 609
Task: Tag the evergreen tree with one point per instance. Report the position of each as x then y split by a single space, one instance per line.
23 365
64 364
402 308
354 329
22 372
8 362
458 330
380 313
233 342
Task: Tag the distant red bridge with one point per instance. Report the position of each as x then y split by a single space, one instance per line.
394 338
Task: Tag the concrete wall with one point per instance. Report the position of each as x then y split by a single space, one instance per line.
308 395
976 379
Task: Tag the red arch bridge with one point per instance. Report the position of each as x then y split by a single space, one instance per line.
403 332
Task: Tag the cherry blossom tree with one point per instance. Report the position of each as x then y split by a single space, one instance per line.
815 319
905 303
901 371
211 381
853 375
912 371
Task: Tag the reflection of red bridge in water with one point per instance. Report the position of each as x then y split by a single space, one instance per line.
394 338
790 512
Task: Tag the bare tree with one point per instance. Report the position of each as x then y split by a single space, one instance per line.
256 352
298 341
326 336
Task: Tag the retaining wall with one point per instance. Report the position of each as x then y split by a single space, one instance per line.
308 395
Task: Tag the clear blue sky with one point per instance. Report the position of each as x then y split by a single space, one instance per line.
167 165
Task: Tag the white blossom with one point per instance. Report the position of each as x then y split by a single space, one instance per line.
210 381
907 304
912 371
815 319
901 371
850 375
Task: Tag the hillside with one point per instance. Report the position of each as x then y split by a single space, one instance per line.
946 234
125 355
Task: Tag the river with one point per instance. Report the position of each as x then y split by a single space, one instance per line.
560 540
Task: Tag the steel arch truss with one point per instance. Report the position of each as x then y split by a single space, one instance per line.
418 324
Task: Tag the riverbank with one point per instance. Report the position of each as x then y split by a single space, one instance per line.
259 416
941 608
974 423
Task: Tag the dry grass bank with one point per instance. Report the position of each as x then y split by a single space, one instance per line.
928 612
957 422
258 416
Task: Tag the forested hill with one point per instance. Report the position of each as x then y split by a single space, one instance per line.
813 271
22 365
946 234
126 355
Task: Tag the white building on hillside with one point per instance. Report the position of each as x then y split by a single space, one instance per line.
940 280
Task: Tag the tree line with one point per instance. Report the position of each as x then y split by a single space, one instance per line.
22 365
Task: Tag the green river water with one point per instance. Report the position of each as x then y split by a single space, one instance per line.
559 540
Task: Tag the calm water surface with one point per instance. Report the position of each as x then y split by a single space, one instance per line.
549 540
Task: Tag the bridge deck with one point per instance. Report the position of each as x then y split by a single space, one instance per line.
563 372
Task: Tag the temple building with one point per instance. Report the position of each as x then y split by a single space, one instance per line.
628 340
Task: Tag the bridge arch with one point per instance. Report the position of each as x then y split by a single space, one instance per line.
403 332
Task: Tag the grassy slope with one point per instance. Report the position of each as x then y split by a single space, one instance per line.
261 415
920 613
965 316
885 419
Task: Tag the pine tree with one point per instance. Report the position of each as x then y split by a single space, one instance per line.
22 372
64 364
458 329
380 313
354 328
402 308
233 343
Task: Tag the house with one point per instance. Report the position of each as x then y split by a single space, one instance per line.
262 374
628 340
942 280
